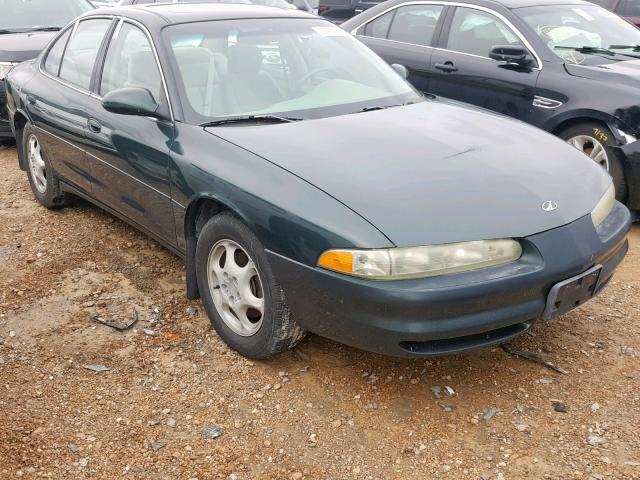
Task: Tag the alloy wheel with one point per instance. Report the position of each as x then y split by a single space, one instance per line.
235 287
591 147
36 164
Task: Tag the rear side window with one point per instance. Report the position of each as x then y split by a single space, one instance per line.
379 28
130 62
409 24
82 51
415 24
52 63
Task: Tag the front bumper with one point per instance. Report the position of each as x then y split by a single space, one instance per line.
453 313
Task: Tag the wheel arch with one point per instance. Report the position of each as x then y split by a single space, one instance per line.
20 120
574 118
200 210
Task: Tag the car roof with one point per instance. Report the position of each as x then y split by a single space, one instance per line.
510 4
184 12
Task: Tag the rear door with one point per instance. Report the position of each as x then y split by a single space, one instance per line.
131 153
406 35
462 70
57 104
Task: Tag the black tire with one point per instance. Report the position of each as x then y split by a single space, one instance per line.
52 196
601 133
278 331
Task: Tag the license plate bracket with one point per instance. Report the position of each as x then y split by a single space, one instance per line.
572 293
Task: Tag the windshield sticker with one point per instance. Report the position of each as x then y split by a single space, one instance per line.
583 14
331 31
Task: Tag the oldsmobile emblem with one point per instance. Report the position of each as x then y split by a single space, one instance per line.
549 206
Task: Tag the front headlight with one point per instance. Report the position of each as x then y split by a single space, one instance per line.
5 68
420 262
604 206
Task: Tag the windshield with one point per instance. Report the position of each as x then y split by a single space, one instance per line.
27 15
579 26
302 68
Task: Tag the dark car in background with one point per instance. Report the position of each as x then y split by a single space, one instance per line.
220 131
303 5
627 9
572 69
26 26
339 11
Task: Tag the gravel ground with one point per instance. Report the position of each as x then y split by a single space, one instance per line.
321 411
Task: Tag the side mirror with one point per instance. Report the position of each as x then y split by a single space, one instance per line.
511 54
400 70
131 101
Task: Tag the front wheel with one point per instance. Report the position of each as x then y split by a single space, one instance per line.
241 296
596 141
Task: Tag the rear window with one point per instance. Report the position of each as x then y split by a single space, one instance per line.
629 8
604 3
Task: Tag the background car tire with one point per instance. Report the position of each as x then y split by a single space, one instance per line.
278 331
602 135
50 194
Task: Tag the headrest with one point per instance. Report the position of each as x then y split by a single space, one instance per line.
244 59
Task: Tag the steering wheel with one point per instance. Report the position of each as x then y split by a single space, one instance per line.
313 73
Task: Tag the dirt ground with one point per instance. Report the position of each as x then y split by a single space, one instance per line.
323 411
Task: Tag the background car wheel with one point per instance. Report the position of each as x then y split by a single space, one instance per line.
596 140
44 182
242 298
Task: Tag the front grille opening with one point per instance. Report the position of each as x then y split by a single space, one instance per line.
468 342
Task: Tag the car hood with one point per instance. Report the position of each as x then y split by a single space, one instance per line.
627 71
434 173
18 47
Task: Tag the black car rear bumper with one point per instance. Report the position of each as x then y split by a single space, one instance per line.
454 313
631 162
5 128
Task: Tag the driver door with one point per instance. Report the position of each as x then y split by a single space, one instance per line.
462 70
131 153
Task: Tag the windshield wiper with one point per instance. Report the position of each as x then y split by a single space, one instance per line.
587 49
634 48
250 119
45 29
382 107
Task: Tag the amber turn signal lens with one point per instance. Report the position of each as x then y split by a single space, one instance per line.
337 260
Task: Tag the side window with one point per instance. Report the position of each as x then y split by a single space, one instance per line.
379 28
82 50
130 62
415 24
476 32
629 8
52 63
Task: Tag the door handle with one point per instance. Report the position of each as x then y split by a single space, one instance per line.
446 67
94 125
31 99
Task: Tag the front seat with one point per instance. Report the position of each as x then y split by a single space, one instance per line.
199 75
246 88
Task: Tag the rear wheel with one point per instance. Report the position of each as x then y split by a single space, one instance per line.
44 182
241 296
596 141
